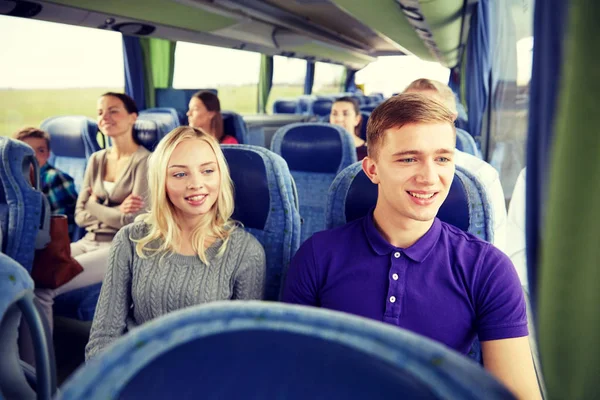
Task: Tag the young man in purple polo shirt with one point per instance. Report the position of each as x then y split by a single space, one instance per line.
402 265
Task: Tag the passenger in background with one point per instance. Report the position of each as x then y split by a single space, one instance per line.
186 251
403 266
345 112
483 171
114 192
205 113
58 186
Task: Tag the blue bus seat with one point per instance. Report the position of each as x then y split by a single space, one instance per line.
375 99
305 104
78 304
321 108
275 350
368 108
73 139
24 210
466 143
234 125
363 127
352 195
267 205
16 300
146 132
179 99
315 153
166 119
285 106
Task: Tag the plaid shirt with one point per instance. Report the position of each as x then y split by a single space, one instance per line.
59 188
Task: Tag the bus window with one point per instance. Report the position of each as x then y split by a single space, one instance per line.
511 73
199 66
288 79
51 69
328 78
392 74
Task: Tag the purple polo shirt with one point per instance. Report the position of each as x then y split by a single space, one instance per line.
449 286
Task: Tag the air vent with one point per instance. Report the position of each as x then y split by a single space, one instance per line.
23 9
134 28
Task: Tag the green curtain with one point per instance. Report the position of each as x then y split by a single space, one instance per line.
159 66
265 82
569 277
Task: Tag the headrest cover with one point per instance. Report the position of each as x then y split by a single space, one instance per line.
68 135
322 107
146 132
312 148
251 188
285 106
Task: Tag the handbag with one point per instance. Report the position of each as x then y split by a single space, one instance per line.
53 265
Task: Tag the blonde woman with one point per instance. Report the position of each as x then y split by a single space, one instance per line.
186 251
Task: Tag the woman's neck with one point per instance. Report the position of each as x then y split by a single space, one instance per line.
123 146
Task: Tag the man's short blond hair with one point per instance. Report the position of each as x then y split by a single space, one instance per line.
400 110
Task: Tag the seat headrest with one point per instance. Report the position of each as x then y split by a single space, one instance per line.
368 108
71 136
361 196
248 172
285 106
146 133
234 125
166 118
314 147
322 107
363 127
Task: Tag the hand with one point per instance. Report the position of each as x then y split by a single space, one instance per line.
132 204
93 198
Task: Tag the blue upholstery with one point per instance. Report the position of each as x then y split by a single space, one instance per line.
179 99
146 132
166 119
24 210
466 143
375 99
285 106
322 108
231 350
315 154
365 120
305 103
78 304
72 142
16 299
368 108
266 204
234 125
352 194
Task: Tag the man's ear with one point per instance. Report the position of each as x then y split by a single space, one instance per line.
370 168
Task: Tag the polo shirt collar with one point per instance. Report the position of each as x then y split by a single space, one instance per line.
417 252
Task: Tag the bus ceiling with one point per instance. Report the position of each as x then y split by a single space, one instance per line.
348 32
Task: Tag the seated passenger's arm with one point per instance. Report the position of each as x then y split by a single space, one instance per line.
301 283
115 298
249 280
509 360
112 216
62 194
502 324
83 217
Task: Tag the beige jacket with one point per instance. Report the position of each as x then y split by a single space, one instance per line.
102 219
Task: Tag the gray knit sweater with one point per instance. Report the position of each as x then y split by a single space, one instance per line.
136 290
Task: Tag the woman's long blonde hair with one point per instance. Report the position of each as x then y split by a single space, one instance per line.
162 220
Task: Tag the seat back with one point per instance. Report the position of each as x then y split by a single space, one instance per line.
321 107
285 106
305 104
352 195
179 99
234 125
73 139
16 299
280 351
147 133
166 118
24 210
466 143
315 154
267 205
368 108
